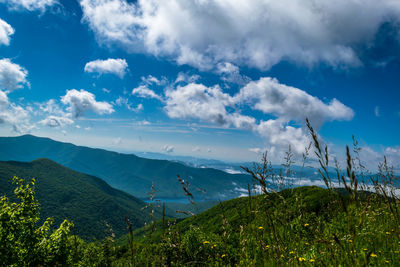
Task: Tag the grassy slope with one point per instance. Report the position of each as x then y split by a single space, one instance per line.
126 172
313 200
86 200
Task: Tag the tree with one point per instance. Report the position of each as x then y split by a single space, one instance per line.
23 241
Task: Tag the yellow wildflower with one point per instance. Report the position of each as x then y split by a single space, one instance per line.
365 249
307 243
373 255
267 246
291 252
206 242
306 225
388 233
223 255
312 260
260 228
213 246
301 259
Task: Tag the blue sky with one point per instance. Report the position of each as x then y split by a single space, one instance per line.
213 79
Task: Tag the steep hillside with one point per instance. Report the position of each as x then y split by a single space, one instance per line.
127 172
86 200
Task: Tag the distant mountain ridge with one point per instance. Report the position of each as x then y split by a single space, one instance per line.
127 172
84 199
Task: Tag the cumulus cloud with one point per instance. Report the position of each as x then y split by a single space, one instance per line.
253 33
280 134
290 103
144 92
196 101
14 115
5 32
230 73
186 78
51 107
30 5
109 66
12 76
55 121
289 106
82 101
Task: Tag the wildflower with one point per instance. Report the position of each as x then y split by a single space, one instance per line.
213 246
291 252
267 246
306 225
365 249
206 242
223 255
312 260
350 241
282 256
260 228
386 261
373 255
388 233
307 243
301 259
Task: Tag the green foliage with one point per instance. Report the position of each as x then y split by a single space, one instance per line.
23 242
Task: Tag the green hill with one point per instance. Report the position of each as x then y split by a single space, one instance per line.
66 194
127 172
303 226
302 200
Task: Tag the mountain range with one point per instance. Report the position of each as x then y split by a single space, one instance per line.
127 172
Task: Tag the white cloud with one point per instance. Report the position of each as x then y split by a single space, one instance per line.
230 73
187 78
144 92
56 121
12 76
51 107
168 148
253 32
121 101
290 103
196 149
30 5
5 32
196 101
15 115
281 135
150 79
109 66
290 106
82 101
